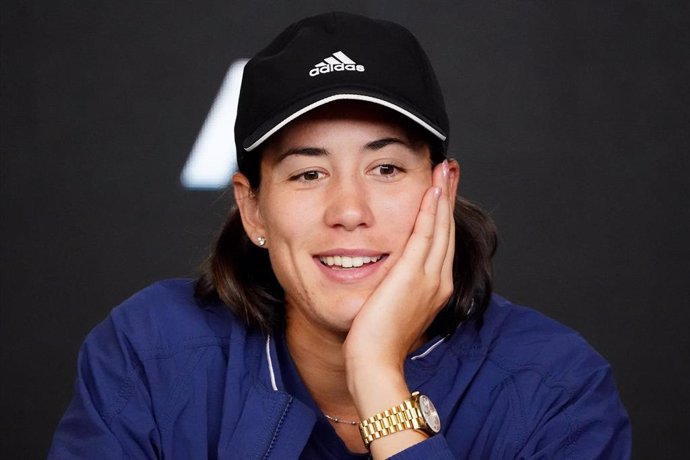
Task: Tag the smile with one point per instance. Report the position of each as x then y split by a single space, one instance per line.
348 261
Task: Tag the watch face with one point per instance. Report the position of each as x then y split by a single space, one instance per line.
429 413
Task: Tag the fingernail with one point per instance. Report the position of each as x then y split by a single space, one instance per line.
437 192
445 169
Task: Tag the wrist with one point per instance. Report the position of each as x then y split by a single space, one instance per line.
367 366
375 388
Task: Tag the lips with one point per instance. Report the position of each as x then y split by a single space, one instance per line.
344 261
349 265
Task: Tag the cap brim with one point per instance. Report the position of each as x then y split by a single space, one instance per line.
286 116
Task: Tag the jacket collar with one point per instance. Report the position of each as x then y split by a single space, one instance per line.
261 420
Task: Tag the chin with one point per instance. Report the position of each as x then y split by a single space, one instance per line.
346 311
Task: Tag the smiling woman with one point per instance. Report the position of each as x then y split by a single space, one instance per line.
346 310
399 154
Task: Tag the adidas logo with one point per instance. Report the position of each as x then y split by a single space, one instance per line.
337 62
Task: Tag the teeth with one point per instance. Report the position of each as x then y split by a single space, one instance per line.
348 261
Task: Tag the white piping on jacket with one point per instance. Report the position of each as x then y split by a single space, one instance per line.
270 363
429 350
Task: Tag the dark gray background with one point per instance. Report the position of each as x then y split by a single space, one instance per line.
570 120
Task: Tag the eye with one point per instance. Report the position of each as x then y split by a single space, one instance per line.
307 176
387 170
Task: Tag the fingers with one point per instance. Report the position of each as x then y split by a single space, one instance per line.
422 236
447 269
430 240
439 248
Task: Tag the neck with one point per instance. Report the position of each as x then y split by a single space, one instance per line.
319 360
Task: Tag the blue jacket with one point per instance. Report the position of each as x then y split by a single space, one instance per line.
163 377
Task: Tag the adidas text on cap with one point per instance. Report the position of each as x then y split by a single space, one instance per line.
336 56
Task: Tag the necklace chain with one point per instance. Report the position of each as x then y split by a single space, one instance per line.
339 420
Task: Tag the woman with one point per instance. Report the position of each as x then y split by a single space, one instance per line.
348 294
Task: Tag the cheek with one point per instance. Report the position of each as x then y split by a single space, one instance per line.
398 212
289 223
287 233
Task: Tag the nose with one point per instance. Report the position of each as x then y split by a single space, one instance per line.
348 206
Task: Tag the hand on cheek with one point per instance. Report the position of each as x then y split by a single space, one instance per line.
395 316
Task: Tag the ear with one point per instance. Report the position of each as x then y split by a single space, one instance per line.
248 205
454 169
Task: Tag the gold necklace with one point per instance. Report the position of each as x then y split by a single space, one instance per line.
339 420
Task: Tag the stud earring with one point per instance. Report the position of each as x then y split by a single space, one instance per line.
261 240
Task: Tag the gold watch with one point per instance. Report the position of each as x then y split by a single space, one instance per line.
416 413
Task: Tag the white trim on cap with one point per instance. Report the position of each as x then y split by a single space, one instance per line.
355 97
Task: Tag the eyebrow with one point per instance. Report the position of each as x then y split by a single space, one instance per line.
306 151
381 143
318 151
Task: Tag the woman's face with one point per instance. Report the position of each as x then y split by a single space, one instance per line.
340 191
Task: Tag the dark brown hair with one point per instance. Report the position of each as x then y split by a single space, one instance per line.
239 274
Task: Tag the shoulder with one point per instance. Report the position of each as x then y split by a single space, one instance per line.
521 339
157 364
166 316
556 385
155 341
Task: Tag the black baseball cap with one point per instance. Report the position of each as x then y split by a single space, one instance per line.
336 56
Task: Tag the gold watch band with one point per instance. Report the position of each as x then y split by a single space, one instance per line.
404 416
